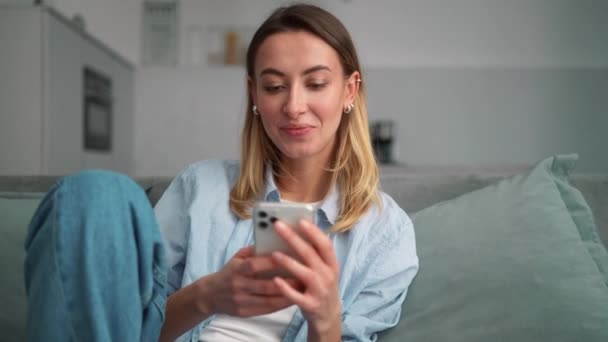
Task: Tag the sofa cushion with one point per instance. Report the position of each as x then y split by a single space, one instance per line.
516 261
16 210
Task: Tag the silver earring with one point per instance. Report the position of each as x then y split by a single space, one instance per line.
349 108
254 109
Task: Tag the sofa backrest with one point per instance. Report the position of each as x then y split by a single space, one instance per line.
413 189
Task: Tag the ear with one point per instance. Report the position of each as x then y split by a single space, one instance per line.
252 89
351 88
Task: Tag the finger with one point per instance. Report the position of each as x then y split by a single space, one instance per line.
295 283
257 265
252 305
243 253
297 269
292 294
260 287
302 248
321 242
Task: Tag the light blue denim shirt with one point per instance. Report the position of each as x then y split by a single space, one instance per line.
377 257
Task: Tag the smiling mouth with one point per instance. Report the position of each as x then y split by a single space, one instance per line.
296 130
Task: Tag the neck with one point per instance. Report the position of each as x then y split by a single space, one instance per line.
303 181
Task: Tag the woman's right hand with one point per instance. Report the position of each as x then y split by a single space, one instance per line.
237 289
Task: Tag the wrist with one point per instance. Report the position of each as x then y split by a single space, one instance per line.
202 296
326 330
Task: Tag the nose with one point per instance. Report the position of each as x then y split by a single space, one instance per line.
295 104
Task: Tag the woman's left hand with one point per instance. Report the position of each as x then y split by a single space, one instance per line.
318 271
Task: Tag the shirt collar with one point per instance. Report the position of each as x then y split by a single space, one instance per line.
328 211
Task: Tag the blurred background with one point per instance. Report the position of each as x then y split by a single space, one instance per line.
147 87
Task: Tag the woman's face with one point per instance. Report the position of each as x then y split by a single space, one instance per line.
300 92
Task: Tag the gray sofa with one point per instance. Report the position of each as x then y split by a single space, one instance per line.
433 310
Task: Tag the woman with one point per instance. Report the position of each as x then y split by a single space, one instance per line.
305 140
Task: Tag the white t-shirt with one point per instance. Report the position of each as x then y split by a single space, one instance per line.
269 327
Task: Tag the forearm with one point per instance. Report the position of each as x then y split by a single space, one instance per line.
185 309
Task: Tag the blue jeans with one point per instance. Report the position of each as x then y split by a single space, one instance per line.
95 267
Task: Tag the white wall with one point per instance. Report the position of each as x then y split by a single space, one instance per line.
477 33
493 116
186 115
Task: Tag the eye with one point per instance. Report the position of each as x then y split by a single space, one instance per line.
317 86
273 88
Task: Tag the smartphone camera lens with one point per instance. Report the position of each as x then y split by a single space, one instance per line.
273 219
262 214
263 225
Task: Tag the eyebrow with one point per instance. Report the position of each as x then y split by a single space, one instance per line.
273 71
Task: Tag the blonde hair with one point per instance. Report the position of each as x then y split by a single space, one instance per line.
354 169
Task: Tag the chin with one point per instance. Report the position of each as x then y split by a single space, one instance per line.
296 153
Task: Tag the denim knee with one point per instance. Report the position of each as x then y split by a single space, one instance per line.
95 243
99 181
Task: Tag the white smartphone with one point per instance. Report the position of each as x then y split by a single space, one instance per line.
266 213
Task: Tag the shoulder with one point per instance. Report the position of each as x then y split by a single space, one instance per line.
209 167
205 177
389 215
211 171
386 229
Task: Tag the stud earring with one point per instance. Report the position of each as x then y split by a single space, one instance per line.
349 108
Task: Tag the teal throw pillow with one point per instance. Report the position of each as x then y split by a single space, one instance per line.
519 260
16 210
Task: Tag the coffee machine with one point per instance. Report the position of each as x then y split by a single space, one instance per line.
383 140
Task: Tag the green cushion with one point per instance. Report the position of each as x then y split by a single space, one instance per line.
16 210
516 261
